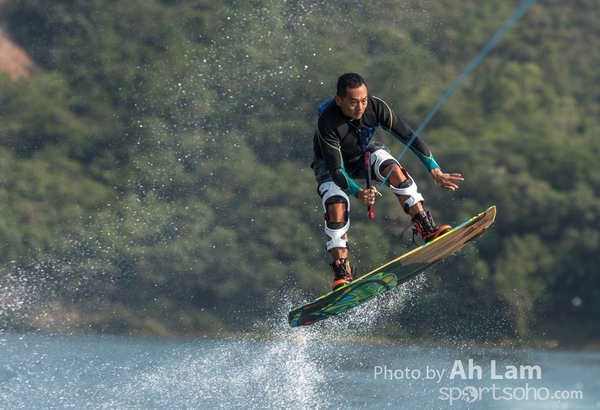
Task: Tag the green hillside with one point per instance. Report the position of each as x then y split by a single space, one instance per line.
154 169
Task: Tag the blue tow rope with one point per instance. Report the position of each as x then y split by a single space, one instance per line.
516 16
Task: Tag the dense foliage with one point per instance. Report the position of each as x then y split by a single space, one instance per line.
155 168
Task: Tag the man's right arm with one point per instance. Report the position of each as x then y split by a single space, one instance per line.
334 162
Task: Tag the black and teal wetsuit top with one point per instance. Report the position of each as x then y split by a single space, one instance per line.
341 142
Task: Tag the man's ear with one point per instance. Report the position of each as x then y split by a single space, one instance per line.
338 100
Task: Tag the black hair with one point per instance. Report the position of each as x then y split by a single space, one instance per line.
348 80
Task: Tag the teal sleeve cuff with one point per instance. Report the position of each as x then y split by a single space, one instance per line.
353 187
429 162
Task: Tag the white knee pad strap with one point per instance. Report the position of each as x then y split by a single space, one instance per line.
379 159
331 192
409 189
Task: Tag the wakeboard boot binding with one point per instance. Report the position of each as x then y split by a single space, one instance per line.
343 273
426 227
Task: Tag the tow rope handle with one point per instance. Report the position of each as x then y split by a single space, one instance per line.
370 212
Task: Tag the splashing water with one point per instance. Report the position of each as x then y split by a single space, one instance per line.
289 368
230 374
19 293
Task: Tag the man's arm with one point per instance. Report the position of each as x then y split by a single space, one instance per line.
399 129
332 155
402 132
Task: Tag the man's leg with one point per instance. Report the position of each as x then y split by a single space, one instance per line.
410 199
336 205
408 195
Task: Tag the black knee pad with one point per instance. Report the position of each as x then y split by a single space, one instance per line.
335 199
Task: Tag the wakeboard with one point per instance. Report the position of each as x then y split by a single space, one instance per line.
393 273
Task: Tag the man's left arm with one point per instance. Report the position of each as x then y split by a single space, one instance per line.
399 129
402 132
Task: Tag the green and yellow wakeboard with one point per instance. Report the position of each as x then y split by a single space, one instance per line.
392 274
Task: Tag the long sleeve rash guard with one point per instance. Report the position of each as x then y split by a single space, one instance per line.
341 141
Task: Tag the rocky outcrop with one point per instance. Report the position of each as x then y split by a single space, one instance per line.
13 59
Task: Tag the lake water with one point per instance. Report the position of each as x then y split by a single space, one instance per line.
300 371
314 367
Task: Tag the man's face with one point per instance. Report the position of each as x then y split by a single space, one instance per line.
354 103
